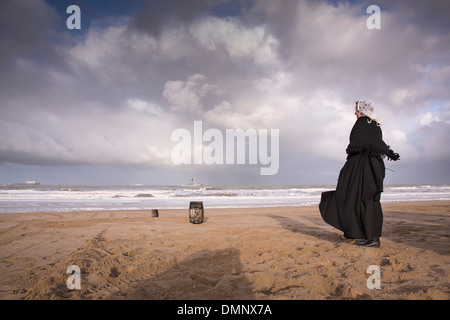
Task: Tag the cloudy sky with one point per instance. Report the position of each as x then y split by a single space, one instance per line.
99 105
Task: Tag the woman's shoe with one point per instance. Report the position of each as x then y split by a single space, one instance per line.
368 243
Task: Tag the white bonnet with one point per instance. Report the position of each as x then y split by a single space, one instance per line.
366 108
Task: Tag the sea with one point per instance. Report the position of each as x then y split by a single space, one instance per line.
17 198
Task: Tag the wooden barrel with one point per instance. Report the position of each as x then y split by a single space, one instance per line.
155 213
196 213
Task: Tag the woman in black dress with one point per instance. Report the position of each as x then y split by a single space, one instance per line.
354 207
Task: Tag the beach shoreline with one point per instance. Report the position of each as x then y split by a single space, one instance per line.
262 253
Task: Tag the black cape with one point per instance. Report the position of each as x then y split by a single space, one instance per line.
354 207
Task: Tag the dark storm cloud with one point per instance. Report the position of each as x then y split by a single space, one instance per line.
26 27
27 33
157 15
430 15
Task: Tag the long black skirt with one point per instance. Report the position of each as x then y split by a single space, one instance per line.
354 207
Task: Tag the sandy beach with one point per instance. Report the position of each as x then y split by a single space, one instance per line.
252 253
